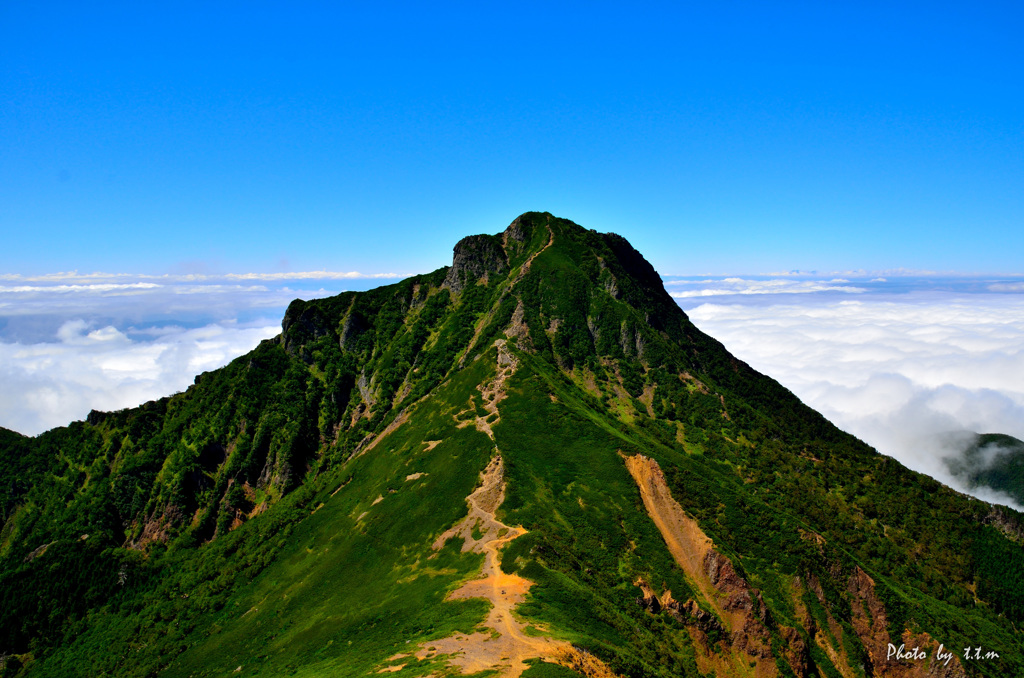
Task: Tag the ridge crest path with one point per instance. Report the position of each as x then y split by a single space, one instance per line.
507 648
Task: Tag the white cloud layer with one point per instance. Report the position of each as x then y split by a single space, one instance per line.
727 286
895 373
110 341
50 384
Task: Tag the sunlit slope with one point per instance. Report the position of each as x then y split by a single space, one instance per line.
683 514
358 578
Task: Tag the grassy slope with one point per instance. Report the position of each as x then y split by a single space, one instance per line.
342 593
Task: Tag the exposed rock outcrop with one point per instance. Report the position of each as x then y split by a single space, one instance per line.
1006 521
870 621
303 323
352 327
475 257
516 231
688 612
157 528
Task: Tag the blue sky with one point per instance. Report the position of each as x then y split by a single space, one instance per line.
718 137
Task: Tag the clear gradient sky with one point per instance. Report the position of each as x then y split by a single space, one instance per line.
718 137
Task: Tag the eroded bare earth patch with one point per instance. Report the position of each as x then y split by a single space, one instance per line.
738 610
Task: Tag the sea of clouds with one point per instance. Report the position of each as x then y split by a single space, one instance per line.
71 343
898 361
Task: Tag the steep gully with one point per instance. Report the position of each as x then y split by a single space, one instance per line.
740 612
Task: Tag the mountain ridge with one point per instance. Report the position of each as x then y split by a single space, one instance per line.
316 473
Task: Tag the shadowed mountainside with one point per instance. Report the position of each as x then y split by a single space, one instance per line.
991 460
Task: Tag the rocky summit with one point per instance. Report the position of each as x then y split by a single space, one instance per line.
529 463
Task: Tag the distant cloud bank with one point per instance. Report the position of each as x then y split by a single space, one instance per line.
70 343
171 278
896 370
52 383
728 286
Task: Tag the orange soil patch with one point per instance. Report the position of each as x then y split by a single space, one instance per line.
747 651
581 661
686 541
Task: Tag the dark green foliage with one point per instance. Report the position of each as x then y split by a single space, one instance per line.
23 464
539 669
1000 573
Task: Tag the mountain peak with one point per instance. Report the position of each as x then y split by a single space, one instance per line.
606 260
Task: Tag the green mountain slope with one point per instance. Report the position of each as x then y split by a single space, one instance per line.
640 503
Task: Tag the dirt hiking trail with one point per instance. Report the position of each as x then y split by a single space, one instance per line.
503 644
508 646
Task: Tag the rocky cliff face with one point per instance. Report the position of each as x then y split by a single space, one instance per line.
475 258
